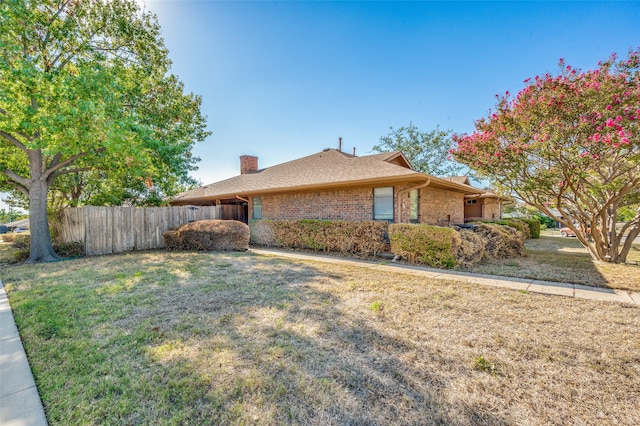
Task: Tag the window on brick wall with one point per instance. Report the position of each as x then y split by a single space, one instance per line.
257 208
413 206
383 203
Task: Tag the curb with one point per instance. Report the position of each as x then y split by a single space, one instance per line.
524 284
20 403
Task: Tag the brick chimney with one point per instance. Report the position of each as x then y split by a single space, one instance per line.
248 164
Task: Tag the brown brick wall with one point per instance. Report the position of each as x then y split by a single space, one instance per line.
491 209
441 207
436 206
353 204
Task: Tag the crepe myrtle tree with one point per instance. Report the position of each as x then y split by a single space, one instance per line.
86 85
569 145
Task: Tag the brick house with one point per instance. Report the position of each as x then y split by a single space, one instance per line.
487 205
335 185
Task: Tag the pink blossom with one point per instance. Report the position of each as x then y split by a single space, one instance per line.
608 107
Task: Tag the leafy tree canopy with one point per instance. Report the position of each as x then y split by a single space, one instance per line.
428 152
85 85
569 142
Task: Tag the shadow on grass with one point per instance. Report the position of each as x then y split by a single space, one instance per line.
223 339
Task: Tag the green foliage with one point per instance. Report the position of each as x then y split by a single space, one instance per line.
482 364
322 235
627 213
545 221
428 152
426 244
10 216
376 307
89 108
534 226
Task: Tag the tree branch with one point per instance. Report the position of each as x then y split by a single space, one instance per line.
18 181
64 172
56 159
65 163
15 142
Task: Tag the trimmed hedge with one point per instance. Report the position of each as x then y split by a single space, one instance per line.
418 243
529 227
468 247
534 227
501 241
342 236
426 244
209 235
446 247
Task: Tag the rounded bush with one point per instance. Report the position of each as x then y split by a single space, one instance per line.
209 235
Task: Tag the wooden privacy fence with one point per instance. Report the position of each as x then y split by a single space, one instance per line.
106 230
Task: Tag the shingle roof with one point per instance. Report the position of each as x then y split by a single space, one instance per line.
459 179
329 168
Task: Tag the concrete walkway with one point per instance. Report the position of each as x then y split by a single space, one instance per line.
534 286
20 403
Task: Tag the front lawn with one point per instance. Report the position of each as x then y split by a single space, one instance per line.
204 338
554 258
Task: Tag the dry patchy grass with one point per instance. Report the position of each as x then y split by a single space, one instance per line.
565 259
204 338
7 253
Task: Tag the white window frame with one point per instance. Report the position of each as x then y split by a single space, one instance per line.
383 204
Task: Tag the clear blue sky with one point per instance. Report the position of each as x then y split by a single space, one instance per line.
281 80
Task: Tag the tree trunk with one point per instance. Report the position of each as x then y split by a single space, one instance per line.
41 246
631 236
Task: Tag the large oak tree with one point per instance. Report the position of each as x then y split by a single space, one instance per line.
85 85
569 145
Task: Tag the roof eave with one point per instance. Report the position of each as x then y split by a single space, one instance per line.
408 178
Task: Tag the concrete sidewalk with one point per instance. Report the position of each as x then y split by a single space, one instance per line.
535 286
20 403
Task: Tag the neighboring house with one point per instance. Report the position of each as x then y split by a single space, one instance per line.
338 186
486 205
22 224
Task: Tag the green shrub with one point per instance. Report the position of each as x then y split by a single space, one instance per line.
545 221
363 237
425 244
534 227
